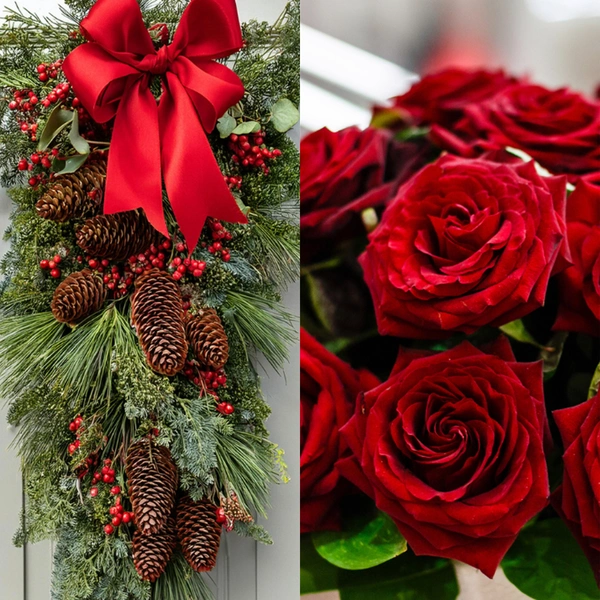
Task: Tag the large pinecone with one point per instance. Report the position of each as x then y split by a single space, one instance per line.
158 316
152 553
208 338
152 479
199 533
78 296
117 236
74 195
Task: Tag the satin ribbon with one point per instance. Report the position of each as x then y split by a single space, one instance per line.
111 76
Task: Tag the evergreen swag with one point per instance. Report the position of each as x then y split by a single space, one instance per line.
86 396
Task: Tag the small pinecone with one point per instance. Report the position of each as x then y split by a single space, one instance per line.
152 479
69 195
77 297
234 511
152 553
199 533
158 316
117 236
208 338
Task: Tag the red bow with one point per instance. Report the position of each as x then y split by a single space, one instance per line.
111 76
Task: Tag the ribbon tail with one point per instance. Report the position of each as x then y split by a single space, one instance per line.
193 179
133 173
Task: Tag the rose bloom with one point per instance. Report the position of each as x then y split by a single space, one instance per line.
441 97
577 500
465 243
342 173
328 390
560 129
579 285
451 447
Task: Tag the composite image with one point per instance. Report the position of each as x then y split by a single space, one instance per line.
300 299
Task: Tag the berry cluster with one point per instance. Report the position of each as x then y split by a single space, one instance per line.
159 32
180 267
225 408
48 71
37 158
105 475
118 513
75 427
219 235
221 516
58 94
24 101
155 256
52 265
251 151
233 181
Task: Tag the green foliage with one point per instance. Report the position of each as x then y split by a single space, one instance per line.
179 582
365 542
546 562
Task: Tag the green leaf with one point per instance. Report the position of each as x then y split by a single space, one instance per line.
226 124
80 145
552 353
595 383
238 200
546 562
517 331
247 127
363 544
284 115
407 577
70 165
316 574
58 120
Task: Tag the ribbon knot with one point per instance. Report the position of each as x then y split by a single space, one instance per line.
166 140
158 63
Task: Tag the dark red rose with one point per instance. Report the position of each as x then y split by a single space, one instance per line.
465 243
441 97
577 500
328 390
579 285
342 173
451 447
560 129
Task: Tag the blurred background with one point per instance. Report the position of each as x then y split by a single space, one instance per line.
555 41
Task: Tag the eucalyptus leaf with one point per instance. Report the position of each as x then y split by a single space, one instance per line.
80 144
247 127
225 125
70 165
58 120
284 115
547 563
364 543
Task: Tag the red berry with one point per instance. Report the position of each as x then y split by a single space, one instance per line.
78 421
72 448
109 529
115 490
55 273
43 76
41 68
13 105
117 520
46 163
93 492
180 247
197 273
221 518
228 410
107 479
177 276
23 164
126 517
93 263
34 100
72 426
44 264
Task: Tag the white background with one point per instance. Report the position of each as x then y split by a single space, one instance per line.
246 570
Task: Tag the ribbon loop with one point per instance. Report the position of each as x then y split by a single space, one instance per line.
111 75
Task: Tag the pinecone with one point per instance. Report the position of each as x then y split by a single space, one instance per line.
199 533
157 314
77 297
74 195
208 338
152 479
117 236
234 511
152 553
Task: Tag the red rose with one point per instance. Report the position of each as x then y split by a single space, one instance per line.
577 500
558 128
465 243
451 447
328 390
579 285
441 97
342 173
